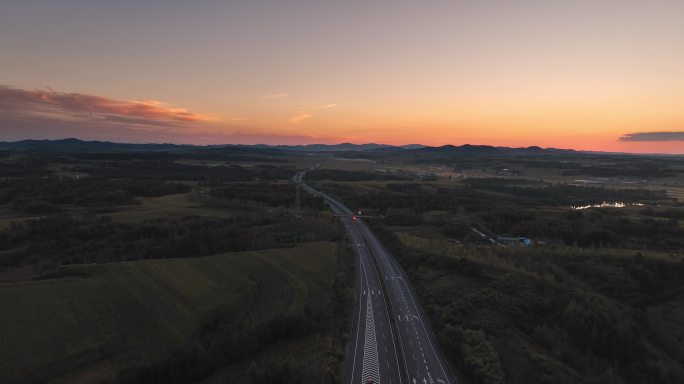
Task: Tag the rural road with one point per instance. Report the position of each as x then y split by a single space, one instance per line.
391 339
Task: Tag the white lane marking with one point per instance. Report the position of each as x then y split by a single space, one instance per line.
370 373
358 328
434 351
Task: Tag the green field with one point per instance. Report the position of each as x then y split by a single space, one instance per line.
92 321
149 208
177 205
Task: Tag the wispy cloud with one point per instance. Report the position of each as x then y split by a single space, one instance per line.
305 113
25 104
298 118
653 136
321 107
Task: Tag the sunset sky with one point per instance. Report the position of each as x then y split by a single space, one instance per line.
592 75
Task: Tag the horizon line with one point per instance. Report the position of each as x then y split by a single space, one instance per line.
347 142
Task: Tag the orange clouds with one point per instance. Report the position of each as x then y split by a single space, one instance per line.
75 106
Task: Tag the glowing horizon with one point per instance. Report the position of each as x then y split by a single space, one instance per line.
602 75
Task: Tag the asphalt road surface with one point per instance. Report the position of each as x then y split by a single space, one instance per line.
391 340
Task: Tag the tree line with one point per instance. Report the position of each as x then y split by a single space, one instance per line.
46 194
64 239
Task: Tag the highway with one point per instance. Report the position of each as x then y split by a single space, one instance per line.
391 339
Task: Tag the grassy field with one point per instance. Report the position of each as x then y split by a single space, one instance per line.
94 320
178 205
150 208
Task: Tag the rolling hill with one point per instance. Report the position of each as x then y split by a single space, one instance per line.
116 322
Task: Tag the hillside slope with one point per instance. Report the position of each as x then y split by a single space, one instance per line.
112 322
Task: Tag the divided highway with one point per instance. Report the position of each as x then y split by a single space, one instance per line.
391 339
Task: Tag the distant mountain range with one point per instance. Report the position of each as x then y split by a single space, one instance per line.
488 150
76 145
